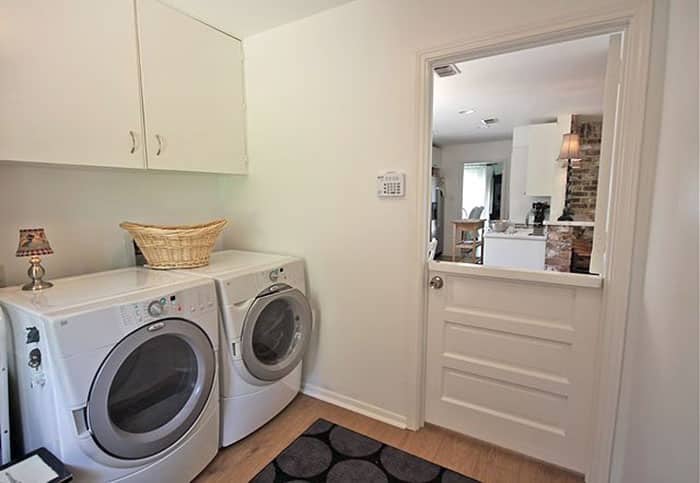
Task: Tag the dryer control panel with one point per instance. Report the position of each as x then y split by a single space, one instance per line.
289 273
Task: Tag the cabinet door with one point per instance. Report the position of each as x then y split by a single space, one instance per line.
69 86
544 142
192 93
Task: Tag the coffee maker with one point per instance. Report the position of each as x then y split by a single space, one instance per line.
539 211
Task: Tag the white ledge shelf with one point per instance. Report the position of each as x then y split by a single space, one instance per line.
536 276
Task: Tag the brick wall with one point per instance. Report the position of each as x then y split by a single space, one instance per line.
568 249
557 255
582 183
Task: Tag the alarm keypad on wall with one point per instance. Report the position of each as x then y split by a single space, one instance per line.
391 184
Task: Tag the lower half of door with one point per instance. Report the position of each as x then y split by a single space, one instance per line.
513 363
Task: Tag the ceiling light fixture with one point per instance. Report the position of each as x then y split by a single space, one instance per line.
465 112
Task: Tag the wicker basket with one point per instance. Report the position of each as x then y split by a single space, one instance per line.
168 247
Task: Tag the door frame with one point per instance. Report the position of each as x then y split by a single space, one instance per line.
626 191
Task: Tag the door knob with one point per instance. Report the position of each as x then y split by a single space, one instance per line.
437 282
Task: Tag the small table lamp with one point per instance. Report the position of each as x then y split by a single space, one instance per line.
571 150
32 243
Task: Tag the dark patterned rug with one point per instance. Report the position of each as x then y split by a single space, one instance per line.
331 453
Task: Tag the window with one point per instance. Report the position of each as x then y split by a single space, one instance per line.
481 188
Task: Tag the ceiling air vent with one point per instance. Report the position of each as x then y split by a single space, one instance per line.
489 122
447 70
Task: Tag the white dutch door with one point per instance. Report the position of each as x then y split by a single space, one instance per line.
512 362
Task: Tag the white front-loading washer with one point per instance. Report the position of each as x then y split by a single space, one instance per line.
266 326
116 374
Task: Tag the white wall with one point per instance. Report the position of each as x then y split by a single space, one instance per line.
453 158
657 431
81 209
331 102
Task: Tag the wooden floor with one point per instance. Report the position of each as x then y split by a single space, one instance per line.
243 460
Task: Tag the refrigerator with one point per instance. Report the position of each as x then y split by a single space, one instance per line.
437 214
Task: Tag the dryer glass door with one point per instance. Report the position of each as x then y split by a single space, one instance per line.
276 332
151 389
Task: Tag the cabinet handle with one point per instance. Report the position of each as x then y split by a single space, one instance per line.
160 144
133 142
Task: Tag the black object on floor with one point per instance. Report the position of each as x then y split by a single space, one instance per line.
47 458
330 453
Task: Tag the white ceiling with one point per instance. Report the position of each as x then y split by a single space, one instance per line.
520 88
242 18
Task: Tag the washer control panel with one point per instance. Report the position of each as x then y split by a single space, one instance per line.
176 304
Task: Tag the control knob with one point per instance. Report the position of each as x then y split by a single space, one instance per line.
155 308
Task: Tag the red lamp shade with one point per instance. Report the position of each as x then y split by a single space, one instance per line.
33 242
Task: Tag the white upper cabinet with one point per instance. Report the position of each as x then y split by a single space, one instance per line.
543 146
69 85
192 77
79 78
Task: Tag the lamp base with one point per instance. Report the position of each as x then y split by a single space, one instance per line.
36 285
36 273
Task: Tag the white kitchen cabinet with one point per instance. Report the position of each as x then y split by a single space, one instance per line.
516 250
192 77
519 202
544 141
69 85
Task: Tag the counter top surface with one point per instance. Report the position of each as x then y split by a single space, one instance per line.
569 223
520 234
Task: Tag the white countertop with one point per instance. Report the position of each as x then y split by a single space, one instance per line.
570 223
520 234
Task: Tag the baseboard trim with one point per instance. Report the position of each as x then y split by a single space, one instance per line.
352 404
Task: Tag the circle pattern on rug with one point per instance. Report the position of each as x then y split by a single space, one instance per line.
356 471
407 467
319 427
267 475
350 443
305 458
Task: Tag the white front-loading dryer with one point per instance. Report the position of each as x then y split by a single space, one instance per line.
117 373
266 327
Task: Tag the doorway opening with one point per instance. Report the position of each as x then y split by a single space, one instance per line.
522 149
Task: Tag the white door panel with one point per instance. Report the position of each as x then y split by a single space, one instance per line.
69 87
522 353
512 363
192 77
492 396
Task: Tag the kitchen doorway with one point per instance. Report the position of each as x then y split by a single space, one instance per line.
539 125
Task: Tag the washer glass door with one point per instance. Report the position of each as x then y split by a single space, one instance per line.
151 388
276 333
